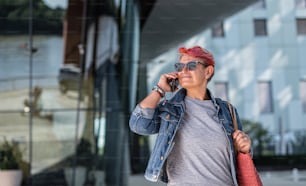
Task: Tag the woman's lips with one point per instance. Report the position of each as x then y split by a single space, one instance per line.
185 77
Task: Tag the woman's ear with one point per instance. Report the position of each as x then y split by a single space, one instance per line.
209 71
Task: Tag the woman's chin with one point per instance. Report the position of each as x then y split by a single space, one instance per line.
186 85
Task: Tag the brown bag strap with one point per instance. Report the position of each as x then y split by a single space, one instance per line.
234 120
233 115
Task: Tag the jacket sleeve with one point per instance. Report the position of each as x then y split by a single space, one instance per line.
144 121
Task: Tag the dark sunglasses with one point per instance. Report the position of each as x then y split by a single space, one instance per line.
192 65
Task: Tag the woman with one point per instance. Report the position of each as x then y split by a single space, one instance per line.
195 142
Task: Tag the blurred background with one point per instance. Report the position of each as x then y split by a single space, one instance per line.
71 72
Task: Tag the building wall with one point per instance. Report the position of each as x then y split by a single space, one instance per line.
243 60
277 57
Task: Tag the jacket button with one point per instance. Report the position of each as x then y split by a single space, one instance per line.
162 157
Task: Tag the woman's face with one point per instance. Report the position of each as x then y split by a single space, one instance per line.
193 79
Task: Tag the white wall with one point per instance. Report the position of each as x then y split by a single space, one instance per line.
243 59
278 57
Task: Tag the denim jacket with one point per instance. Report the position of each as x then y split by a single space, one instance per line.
165 120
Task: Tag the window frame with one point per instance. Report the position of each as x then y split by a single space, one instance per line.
260 4
303 94
260 32
265 98
300 26
300 4
217 30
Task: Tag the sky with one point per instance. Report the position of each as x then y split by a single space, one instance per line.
55 3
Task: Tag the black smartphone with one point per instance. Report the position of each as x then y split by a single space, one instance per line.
173 84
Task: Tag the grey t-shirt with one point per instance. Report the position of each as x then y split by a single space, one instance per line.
200 155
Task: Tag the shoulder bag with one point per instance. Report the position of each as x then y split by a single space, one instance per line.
247 174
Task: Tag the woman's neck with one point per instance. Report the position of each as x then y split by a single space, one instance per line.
200 94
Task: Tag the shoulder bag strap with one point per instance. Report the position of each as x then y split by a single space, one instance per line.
233 115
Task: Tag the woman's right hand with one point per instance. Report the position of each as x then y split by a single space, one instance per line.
164 80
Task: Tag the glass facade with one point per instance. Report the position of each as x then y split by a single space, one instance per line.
59 89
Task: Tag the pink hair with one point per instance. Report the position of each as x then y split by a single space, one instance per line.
199 52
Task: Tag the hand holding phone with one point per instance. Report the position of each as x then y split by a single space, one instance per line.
173 83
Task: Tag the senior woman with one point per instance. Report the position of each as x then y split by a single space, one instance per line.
196 140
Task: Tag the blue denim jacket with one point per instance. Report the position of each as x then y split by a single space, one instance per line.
165 120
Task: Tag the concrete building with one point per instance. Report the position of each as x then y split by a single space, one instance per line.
260 66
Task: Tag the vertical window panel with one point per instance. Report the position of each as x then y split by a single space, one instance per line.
300 4
265 97
218 30
301 26
260 4
221 90
260 27
303 94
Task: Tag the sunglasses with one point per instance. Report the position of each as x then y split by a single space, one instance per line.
192 65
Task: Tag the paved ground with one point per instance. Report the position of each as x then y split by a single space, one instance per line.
274 178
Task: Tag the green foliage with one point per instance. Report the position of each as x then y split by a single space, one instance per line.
259 135
10 155
300 142
11 158
15 16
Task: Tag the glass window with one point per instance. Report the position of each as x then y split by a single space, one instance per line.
221 90
260 27
218 30
303 94
260 4
265 97
300 4
301 26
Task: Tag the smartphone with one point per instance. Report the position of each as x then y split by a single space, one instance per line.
173 84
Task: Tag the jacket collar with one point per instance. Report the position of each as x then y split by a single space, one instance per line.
179 97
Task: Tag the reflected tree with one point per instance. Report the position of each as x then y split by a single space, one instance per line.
259 135
47 20
299 145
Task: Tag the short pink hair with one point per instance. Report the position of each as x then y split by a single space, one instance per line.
199 52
